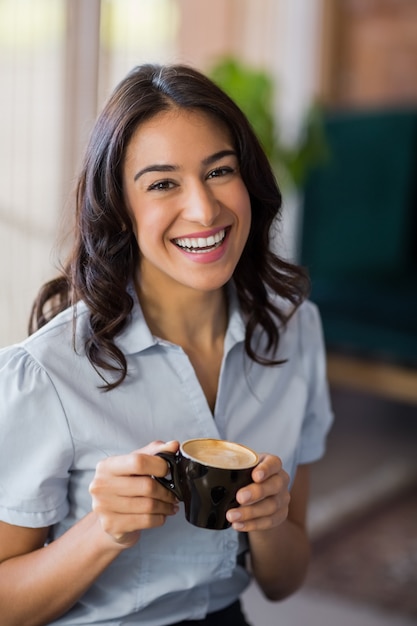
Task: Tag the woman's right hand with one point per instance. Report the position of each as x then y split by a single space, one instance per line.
125 497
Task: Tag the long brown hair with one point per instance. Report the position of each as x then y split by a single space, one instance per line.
105 252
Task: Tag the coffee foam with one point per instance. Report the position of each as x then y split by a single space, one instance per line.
219 453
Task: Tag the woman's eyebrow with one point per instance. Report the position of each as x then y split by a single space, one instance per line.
218 155
155 168
172 168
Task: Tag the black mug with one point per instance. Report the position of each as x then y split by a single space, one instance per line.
206 474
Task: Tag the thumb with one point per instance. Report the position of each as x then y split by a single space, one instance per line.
160 446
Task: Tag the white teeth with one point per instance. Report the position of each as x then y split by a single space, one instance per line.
200 244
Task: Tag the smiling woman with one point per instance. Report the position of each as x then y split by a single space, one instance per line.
172 319
191 191
109 257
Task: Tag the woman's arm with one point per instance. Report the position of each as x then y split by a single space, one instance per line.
39 583
276 526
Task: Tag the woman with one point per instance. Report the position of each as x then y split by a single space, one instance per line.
173 320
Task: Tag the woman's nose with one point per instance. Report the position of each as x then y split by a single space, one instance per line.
201 205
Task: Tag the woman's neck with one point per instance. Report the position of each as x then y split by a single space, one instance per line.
186 317
194 320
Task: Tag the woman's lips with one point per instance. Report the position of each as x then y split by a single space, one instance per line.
202 245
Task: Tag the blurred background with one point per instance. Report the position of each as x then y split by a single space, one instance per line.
331 88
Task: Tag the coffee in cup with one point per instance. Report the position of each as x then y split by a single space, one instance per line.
206 474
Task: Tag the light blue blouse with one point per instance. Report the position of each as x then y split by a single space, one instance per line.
56 424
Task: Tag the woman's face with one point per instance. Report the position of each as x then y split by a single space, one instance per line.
190 209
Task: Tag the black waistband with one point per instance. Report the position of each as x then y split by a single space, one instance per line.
230 616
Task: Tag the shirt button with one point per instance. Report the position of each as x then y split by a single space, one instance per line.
231 545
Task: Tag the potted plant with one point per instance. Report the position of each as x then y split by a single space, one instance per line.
253 90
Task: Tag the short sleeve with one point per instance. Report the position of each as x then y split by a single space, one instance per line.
35 445
318 416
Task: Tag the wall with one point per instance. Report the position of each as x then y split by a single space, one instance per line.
372 53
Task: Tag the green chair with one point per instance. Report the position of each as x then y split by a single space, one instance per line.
359 234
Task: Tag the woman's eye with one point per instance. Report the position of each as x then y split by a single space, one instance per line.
161 185
220 171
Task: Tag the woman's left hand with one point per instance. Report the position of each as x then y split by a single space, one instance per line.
264 503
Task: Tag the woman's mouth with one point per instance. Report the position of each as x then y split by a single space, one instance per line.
201 245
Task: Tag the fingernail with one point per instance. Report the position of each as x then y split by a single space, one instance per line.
238 526
244 496
232 516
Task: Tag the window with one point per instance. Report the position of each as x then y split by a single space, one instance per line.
31 66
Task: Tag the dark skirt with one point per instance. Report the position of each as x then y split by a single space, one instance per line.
230 616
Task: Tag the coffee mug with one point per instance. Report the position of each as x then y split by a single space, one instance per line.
206 474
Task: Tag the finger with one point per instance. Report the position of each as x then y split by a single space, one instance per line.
136 461
268 466
276 484
134 464
266 508
121 526
154 465
129 487
109 505
159 446
268 513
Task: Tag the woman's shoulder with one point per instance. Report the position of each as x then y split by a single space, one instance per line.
306 322
306 314
302 331
58 336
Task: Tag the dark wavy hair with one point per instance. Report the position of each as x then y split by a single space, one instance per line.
105 251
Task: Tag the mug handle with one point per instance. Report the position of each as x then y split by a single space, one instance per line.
172 484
